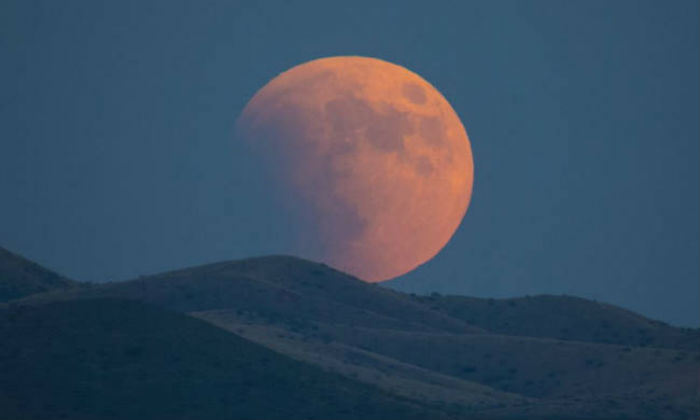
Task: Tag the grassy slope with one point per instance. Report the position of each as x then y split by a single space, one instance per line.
562 379
317 346
570 357
20 277
565 318
533 367
284 288
110 358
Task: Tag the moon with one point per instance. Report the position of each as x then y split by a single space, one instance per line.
372 158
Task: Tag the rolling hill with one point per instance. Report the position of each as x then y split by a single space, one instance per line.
283 288
532 357
564 318
20 277
112 358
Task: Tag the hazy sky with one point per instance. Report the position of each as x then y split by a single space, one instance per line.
117 156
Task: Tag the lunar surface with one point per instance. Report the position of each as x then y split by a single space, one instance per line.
372 157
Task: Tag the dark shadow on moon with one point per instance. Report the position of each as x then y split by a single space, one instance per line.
346 116
388 128
350 116
414 93
279 99
285 140
423 166
302 186
433 131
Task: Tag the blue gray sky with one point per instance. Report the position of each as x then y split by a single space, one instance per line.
117 155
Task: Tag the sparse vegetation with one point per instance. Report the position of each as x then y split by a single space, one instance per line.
380 350
150 363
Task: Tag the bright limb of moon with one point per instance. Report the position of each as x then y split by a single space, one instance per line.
375 157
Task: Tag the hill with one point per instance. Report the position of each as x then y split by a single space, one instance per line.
564 318
284 288
20 277
552 378
111 358
538 357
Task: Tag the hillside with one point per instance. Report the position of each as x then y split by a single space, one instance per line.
553 378
284 288
564 318
534 357
20 277
110 358
320 345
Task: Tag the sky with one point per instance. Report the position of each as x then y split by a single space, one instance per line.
117 154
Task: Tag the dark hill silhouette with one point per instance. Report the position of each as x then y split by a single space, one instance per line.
20 277
111 358
539 357
565 318
284 288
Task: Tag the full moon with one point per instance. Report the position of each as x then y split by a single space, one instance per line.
372 156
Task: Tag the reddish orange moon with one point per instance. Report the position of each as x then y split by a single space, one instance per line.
376 155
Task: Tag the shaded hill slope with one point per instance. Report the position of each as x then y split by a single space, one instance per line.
545 377
284 288
296 290
565 318
533 367
320 345
20 277
540 357
110 358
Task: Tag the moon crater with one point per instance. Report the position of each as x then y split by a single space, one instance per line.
414 93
